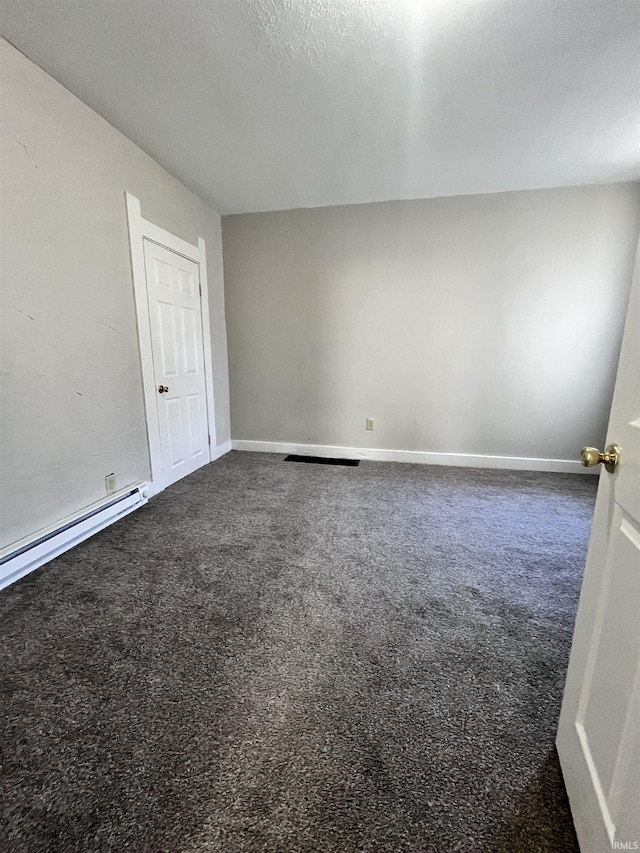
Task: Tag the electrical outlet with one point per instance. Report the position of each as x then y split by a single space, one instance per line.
110 483
369 423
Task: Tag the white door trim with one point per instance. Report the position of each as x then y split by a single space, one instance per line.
139 229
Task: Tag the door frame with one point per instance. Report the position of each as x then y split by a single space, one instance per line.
139 230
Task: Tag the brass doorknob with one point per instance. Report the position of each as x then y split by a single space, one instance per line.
163 388
590 456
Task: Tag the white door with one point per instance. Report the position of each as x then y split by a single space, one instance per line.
599 732
175 315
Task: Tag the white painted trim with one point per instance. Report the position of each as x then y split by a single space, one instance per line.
167 239
139 229
29 554
220 450
208 358
416 457
136 245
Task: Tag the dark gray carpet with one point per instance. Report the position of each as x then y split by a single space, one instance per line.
287 657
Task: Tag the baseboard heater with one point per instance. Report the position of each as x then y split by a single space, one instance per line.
26 556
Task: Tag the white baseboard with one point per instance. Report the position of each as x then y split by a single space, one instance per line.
220 450
417 457
32 553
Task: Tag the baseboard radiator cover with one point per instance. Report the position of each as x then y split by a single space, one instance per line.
31 554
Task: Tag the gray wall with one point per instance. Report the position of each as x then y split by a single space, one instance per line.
479 324
71 404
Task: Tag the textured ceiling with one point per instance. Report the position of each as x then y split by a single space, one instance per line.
275 104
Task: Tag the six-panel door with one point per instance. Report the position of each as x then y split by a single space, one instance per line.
173 288
599 732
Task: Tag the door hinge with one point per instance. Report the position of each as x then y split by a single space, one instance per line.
209 437
200 289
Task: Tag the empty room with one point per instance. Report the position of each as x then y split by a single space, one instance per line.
319 426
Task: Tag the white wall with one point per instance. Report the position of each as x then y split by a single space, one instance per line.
71 405
477 324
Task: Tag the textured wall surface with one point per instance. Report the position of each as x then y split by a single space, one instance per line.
278 104
72 408
479 324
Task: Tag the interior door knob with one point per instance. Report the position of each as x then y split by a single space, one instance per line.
590 456
163 388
